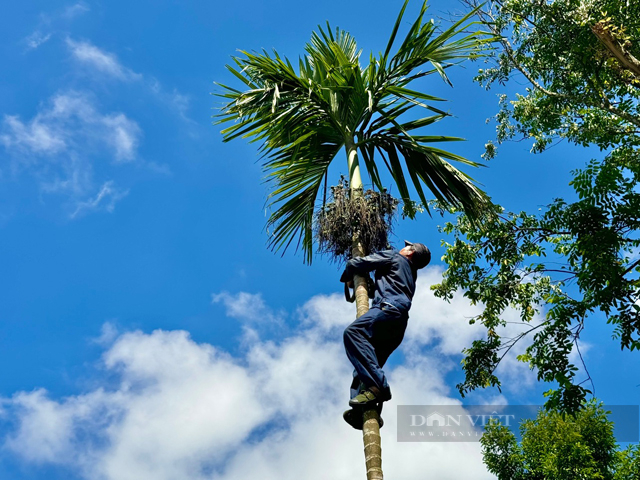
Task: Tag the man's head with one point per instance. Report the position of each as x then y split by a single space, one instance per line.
417 253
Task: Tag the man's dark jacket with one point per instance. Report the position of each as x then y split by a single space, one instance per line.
395 278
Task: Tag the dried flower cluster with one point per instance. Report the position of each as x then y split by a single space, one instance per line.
366 215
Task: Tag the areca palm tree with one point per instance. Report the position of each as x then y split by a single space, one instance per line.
304 118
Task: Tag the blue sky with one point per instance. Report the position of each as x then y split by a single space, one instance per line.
145 329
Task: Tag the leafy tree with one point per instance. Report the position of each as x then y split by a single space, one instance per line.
562 447
580 60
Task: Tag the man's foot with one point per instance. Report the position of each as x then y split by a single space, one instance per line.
372 395
353 417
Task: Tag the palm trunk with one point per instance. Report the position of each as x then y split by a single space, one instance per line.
371 426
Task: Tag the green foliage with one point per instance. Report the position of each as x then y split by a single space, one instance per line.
579 90
500 261
571 260
560 447
303 118
628 463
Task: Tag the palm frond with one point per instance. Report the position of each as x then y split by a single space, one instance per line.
423 44
429 166
297 175
291 116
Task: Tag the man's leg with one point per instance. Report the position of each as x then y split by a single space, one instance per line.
387 336
376 333
360 351
356 385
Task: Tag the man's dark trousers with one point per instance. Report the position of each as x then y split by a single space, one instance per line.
370 340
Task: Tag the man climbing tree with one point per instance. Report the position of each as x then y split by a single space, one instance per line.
372 337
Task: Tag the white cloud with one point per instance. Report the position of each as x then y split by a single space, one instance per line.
105 199
177 101
249 307
104 62
108 334
433 320
48 22
75 10
107 63
326 312
36 39
36 136
159 168
180 409
123 134
70 120
45 428
62 141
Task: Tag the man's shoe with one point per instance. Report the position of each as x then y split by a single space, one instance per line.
385 395
366 397
354 417
369 396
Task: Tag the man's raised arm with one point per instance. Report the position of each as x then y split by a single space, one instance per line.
362 265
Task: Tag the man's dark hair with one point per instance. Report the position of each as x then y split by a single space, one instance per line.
421 255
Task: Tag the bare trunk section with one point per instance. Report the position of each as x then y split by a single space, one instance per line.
360 283
371 426
372 444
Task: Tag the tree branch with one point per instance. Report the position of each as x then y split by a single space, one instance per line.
631 267
509 51
511 343
606 105
618 50
584 365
